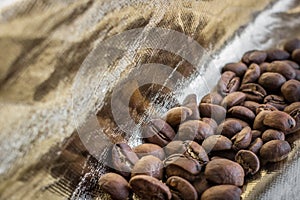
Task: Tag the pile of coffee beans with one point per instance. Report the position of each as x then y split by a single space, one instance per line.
206 151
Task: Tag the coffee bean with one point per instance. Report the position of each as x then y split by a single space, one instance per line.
194 130
148 165
296 55
256 145
277 54
271 81
201 184
275 150
242 139
233 99
227 154
248 160
279 120
222 192
253 91
252 105
276 101
242 113
213 98
181 188
272 134
255 134
291 90
224 171
263 67
265 107
291 45
230 127
228 83
258 123
177 115
238 68
149 149
216 112
216 143
292 64
252 74
254 56
114 185
159 132
282 68
211 122
148 188
191 102
294 111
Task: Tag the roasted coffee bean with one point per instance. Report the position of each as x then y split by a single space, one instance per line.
149 149
213 124
191 102
222 192
194 130
248 160
252 105
233 99
292 64
271 81
213 98
224 171
282 68
177 115
201 184
114 185
272 134
277 54
148 165
216 143
216 112
255 134
279 120
256 145
238 68
292 107
253 91
296 55
159 132
180 165
123 158
263 67
254 56
258 123
242 113
291 45
242 139
228 83
252 74
276 101
230 127
148 188
294 111
265 107
275 150
181 188
291 90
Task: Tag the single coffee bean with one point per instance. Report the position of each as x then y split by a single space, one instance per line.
272 134
194 130
291 90
201 184
222 192
228 83
149 149
159 132
148 188
114 185
294 111
248 160
242 113
282 68
253 91
263 67
292 64
191 102
213 98
252 105
277 54
123 158
292 107
216 143
296 55
265 107
255 134
252 74
224 171
279 120
275 150
216 112
259 119
233 99
238 68
148 165
254 56
182 188
276 101
180 165
271 81
230 127
177 115
291 45
213 124
242 139
256 145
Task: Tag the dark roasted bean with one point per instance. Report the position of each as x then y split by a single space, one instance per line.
272 134
238 68
216 143
216 112
277 54
292 64
291 90
282 68
213 98
291 45
248 160
222 192
242 113
294 111
233 99
191 102
148 165
254 56
230 127
279 120
242 139
276 101
253 91
265 107
256 145
252 105
252 74
177 115
228 83
275 150
149 149
271 81
258 123
255 134
263 67
296 56
182 188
